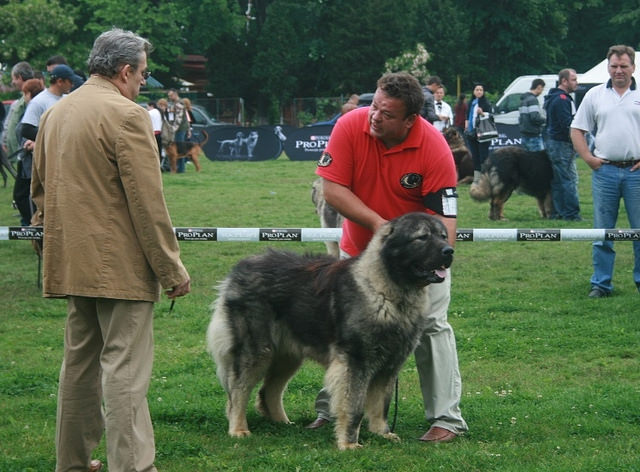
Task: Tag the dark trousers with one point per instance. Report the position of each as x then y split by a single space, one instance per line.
21 195
479 151
159 141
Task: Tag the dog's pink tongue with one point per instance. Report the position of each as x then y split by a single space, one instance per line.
441 273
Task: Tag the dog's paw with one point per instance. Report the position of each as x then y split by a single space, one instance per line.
391 437
240 433
346 446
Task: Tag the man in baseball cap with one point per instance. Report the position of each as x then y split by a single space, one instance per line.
63 71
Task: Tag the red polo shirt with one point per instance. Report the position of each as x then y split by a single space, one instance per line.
392 181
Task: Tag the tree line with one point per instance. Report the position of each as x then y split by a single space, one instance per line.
271 51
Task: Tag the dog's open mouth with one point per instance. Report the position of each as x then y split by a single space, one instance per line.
431 276
437 276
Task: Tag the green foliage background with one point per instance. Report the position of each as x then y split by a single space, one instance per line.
314 48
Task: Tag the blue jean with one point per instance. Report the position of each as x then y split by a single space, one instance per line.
564 185
608 185
532 143
181 137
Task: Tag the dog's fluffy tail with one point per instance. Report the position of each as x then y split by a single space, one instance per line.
480 189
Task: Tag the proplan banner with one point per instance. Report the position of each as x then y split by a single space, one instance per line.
306 144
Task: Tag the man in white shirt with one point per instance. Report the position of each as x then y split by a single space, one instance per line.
156 122
443 110
611 112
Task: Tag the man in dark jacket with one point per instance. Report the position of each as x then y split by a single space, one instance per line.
428 111
560 110
531 120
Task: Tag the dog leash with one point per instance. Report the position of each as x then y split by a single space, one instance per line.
173 302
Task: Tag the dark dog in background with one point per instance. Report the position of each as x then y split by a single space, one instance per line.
360 318
461 154
329 217
510 168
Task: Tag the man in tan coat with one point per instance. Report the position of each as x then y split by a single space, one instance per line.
109 248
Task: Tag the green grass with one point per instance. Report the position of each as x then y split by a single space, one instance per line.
551 379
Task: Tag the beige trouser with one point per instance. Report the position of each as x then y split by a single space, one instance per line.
437 364
108 357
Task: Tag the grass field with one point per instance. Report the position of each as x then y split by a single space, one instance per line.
551 379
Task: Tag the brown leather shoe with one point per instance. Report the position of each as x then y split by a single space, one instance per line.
95 466
317 424
438 435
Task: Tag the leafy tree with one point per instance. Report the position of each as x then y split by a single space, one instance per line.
282 56
34 30
594 26
163 23
508 39
360 37
444 28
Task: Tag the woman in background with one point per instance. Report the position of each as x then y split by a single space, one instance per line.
479 106
460 113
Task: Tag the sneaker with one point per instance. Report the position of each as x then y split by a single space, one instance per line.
597 292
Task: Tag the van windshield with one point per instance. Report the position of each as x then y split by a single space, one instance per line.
508 103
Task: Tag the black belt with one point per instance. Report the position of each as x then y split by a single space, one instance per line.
621 163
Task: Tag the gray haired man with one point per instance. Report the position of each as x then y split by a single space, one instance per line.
109 248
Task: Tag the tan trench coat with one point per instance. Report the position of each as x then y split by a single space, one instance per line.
97 184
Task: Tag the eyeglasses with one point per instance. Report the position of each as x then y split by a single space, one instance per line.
145 73
439 105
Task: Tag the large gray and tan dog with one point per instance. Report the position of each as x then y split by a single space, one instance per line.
360 318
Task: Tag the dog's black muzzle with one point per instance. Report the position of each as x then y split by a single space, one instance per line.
434 275
447 256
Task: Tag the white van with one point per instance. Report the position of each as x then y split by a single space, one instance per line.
506 109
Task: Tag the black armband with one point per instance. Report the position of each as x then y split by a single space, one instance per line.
444 202
28 131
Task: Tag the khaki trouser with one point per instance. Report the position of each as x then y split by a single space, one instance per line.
104 379
437 364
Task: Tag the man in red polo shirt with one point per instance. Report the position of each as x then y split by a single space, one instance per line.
382 162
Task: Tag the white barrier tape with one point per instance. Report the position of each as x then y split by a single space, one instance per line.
334 234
